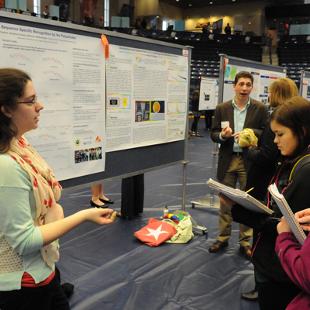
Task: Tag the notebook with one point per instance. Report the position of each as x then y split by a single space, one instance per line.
241 197
287 213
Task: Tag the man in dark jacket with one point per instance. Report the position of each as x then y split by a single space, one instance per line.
231 117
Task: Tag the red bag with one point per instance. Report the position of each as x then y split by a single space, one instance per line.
155 232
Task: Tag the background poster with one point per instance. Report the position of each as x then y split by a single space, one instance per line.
209 90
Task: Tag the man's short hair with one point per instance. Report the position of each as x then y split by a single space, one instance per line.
243 74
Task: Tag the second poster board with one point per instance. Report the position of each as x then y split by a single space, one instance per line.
304 88
263 75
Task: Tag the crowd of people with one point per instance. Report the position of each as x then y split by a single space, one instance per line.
281 157
32 220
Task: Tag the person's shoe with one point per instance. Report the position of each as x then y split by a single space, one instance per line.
198 134
93 204
251 295
246 251
109 201
217 246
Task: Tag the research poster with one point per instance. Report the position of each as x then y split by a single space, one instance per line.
305 87
208 96
146 98
68 72
262 80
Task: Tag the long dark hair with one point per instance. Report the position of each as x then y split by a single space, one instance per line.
295 114
12 87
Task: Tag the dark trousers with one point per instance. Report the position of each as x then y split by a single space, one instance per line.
194 127
48 297
275 296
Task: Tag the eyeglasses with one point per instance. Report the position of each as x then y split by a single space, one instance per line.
30 102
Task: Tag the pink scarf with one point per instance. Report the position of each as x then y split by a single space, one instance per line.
46 191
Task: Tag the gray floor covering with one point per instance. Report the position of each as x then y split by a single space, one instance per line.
112 270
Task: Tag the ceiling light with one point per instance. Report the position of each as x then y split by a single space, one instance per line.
233 0
177 0
189 4
211 2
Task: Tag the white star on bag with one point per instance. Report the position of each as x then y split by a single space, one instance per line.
156 232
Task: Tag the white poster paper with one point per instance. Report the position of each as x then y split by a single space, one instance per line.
146 98
208 97
68 72
305 87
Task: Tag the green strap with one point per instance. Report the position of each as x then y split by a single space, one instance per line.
295 166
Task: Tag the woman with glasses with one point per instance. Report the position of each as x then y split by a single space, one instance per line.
31 220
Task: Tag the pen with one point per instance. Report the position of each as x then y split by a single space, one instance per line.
249 190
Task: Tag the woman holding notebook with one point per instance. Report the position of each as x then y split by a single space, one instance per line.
290 123
295 258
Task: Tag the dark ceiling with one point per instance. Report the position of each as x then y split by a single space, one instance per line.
205 3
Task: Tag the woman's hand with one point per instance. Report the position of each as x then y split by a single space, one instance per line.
99 215
283 226
226 201
303 217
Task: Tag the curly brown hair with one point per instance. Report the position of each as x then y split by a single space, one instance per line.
12 87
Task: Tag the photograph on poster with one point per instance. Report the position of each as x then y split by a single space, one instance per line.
157 110
142 111
113 102
84 155
81 156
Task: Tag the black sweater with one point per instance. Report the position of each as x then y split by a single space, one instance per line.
296 193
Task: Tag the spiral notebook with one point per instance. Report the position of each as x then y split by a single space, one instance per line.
287 213
242 198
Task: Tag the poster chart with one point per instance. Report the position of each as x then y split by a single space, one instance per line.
68 72
305 85
146 97
263 77
209 90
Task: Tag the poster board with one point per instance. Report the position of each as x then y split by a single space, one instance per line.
124 162
304 87
208 96
263 75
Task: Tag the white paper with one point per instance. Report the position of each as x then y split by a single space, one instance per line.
146 98
69 77
208 96
305 90
239 196
287 213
